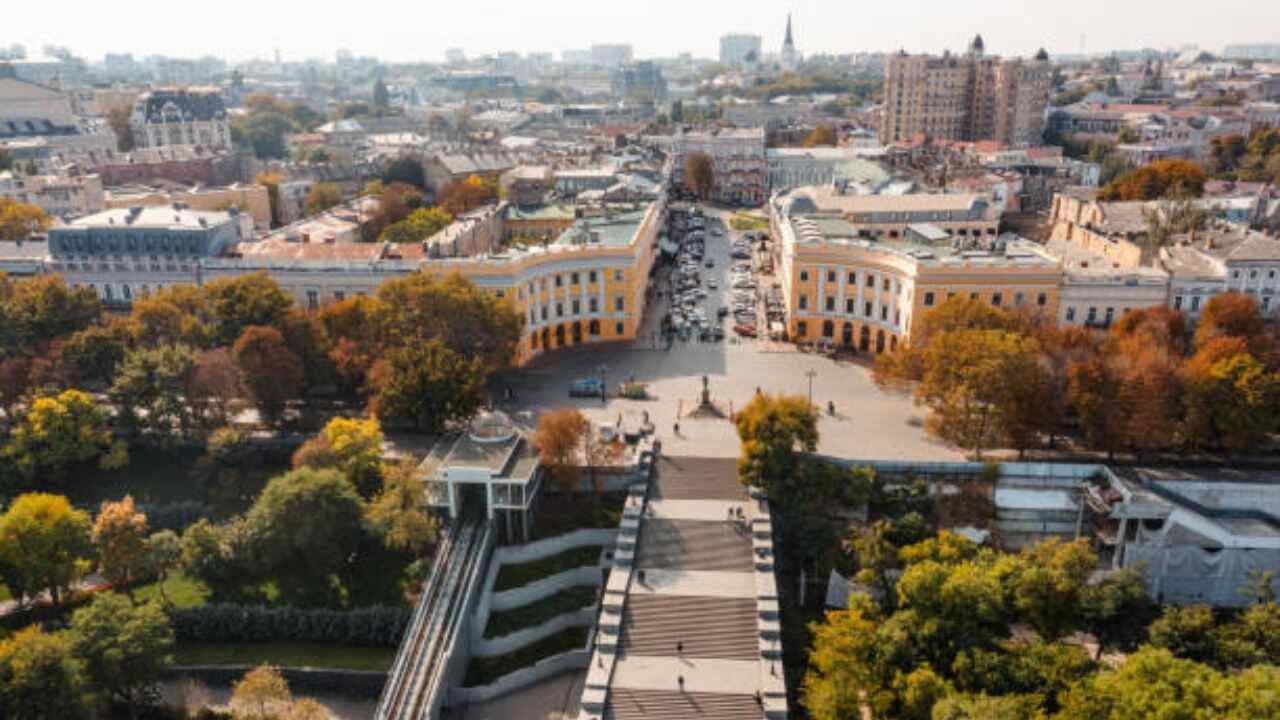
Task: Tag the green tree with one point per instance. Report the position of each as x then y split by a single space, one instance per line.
150 392
774 430
44 546
1047 592
428 384
842 676
125 648
90 356
1117 610
240 302
699 174
272 373
1186 631
41 678
218 556
986 707
381 98
1234 405
163 553
120 536
304 528
420 225
39 309
57 434
321 197
877 560
264 133
405 169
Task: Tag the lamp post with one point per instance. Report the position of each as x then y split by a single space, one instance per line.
604 385
811 374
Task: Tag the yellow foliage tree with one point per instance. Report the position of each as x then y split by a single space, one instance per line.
120 535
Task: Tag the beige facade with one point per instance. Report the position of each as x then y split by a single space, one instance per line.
251 199
969 97
61 195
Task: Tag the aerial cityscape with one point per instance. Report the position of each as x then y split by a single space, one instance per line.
655 362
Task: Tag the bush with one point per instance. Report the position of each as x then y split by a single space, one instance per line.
519 575
229 622
505 622
484 671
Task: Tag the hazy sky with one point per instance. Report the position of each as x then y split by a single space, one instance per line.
421 30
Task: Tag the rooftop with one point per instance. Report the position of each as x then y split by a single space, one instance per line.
154 216
608 230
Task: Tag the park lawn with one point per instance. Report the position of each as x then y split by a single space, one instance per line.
747 223
285 654
181 591
483 671
514 576
505 622
4 594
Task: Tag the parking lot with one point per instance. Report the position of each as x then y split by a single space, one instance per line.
867 423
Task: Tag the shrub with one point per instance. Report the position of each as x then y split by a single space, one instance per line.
229 622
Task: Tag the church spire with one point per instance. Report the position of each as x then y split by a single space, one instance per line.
788 42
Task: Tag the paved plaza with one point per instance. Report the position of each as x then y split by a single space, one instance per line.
868 423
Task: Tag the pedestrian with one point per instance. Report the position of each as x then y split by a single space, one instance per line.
641 573
681 681
676 428
679 648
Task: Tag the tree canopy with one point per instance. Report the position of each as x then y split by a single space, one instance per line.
1157 180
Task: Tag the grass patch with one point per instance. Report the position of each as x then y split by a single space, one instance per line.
561 513
483 671
514 576
505 622
181 591
747 223
284 654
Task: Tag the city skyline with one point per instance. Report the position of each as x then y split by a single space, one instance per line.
488 27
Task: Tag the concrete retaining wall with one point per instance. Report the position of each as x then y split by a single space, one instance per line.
514 555
547 668
546 587
531 635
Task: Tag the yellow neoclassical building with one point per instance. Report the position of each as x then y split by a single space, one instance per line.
588 285
860 278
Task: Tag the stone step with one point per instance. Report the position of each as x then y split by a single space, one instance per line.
633 704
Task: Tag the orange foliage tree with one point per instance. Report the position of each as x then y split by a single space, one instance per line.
1160 179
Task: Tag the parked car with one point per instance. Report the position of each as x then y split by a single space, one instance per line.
745 330
586 387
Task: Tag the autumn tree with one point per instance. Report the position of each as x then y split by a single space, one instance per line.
821 136
467 320
353 329
90 356
559 438
44 546
396 200
774 430
126 649
1233 315
41 678
272 373
321 197
179 314
18 220
120 537
1233 404
1157 180
427 384
260 693
699 174
463 196
399 512
36 310
57 434
214 385
352 446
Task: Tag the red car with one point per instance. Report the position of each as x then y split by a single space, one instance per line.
745 330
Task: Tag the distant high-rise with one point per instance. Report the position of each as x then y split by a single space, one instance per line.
789 57
970 97
455 56
738 50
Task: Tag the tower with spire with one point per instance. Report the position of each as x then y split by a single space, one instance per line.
789 48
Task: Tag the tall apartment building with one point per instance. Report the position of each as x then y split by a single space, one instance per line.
969 97
738 50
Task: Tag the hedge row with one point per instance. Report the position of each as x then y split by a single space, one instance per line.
228 622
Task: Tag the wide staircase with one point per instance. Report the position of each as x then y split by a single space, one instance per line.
626 704
689 644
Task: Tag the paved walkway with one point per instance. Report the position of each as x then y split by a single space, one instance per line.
689 646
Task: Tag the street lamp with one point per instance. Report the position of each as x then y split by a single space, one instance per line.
604 385
811 374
